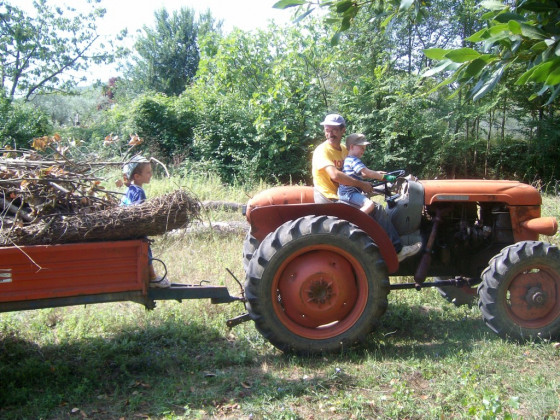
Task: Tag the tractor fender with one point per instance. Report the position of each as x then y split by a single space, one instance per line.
266 219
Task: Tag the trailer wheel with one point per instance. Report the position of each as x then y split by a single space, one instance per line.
317 284
520 291
458 296
250 245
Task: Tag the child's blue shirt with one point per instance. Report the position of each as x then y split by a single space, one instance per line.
134 195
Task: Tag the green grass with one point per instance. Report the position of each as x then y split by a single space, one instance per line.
427 359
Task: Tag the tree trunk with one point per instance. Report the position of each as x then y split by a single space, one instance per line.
490 122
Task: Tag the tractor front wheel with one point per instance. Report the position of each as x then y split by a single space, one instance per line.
520 291
317 284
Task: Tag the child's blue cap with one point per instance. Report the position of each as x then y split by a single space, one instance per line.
131 165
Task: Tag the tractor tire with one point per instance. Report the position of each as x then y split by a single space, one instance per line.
458 296
316 285
250 245
520 291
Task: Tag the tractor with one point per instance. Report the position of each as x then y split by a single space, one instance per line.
318 275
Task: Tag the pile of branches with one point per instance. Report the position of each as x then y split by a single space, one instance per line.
63 201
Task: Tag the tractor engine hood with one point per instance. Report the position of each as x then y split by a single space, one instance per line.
513 193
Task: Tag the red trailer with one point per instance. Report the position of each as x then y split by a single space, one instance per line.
44 276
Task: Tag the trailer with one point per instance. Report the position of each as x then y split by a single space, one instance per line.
45 276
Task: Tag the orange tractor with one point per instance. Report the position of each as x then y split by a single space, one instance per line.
318 275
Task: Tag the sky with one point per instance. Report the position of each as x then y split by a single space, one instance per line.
134 14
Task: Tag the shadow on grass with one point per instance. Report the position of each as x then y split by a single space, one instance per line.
416 331
176 368
131 371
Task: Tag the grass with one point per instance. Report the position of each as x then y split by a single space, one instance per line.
428 359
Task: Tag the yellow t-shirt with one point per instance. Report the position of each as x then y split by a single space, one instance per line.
323 156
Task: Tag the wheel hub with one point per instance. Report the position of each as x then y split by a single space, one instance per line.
318 288
533 298
536 296
320 292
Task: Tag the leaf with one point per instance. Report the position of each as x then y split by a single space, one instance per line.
532 32
493 5
507 16
514 27
335 39
303 16
541 71
435 70
342 6
489 84
554 77
478 36
284 4
525 77
553 96
387 20
135 140
435 53
475 67
462 55
405 4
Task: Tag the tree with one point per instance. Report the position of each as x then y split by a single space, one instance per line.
168 52
39 54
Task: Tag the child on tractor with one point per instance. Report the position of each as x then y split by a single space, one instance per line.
355 168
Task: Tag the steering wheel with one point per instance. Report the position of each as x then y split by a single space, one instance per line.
398 173
384 186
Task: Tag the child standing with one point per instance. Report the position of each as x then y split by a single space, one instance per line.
355 168
137 172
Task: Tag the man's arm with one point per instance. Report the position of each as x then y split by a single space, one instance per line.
342 178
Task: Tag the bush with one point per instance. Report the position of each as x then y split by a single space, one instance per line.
20 123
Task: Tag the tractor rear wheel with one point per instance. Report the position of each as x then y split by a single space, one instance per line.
250 245
317 284
520 291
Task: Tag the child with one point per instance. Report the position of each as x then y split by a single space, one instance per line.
355 168
137 172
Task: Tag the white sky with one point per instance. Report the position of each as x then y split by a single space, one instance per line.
134 14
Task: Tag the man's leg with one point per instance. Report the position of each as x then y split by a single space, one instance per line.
320 198
381 217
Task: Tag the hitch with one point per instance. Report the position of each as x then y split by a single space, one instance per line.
238 320
457 282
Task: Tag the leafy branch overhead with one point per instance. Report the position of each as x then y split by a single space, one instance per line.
524 34
39 52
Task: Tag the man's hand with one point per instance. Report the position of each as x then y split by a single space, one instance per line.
366 187
389 178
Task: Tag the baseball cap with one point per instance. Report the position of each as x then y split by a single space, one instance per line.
356 139
334 119
131 165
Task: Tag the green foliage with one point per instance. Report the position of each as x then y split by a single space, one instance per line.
224 136
164 123
20 123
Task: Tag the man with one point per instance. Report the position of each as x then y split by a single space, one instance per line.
328 159
327 164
